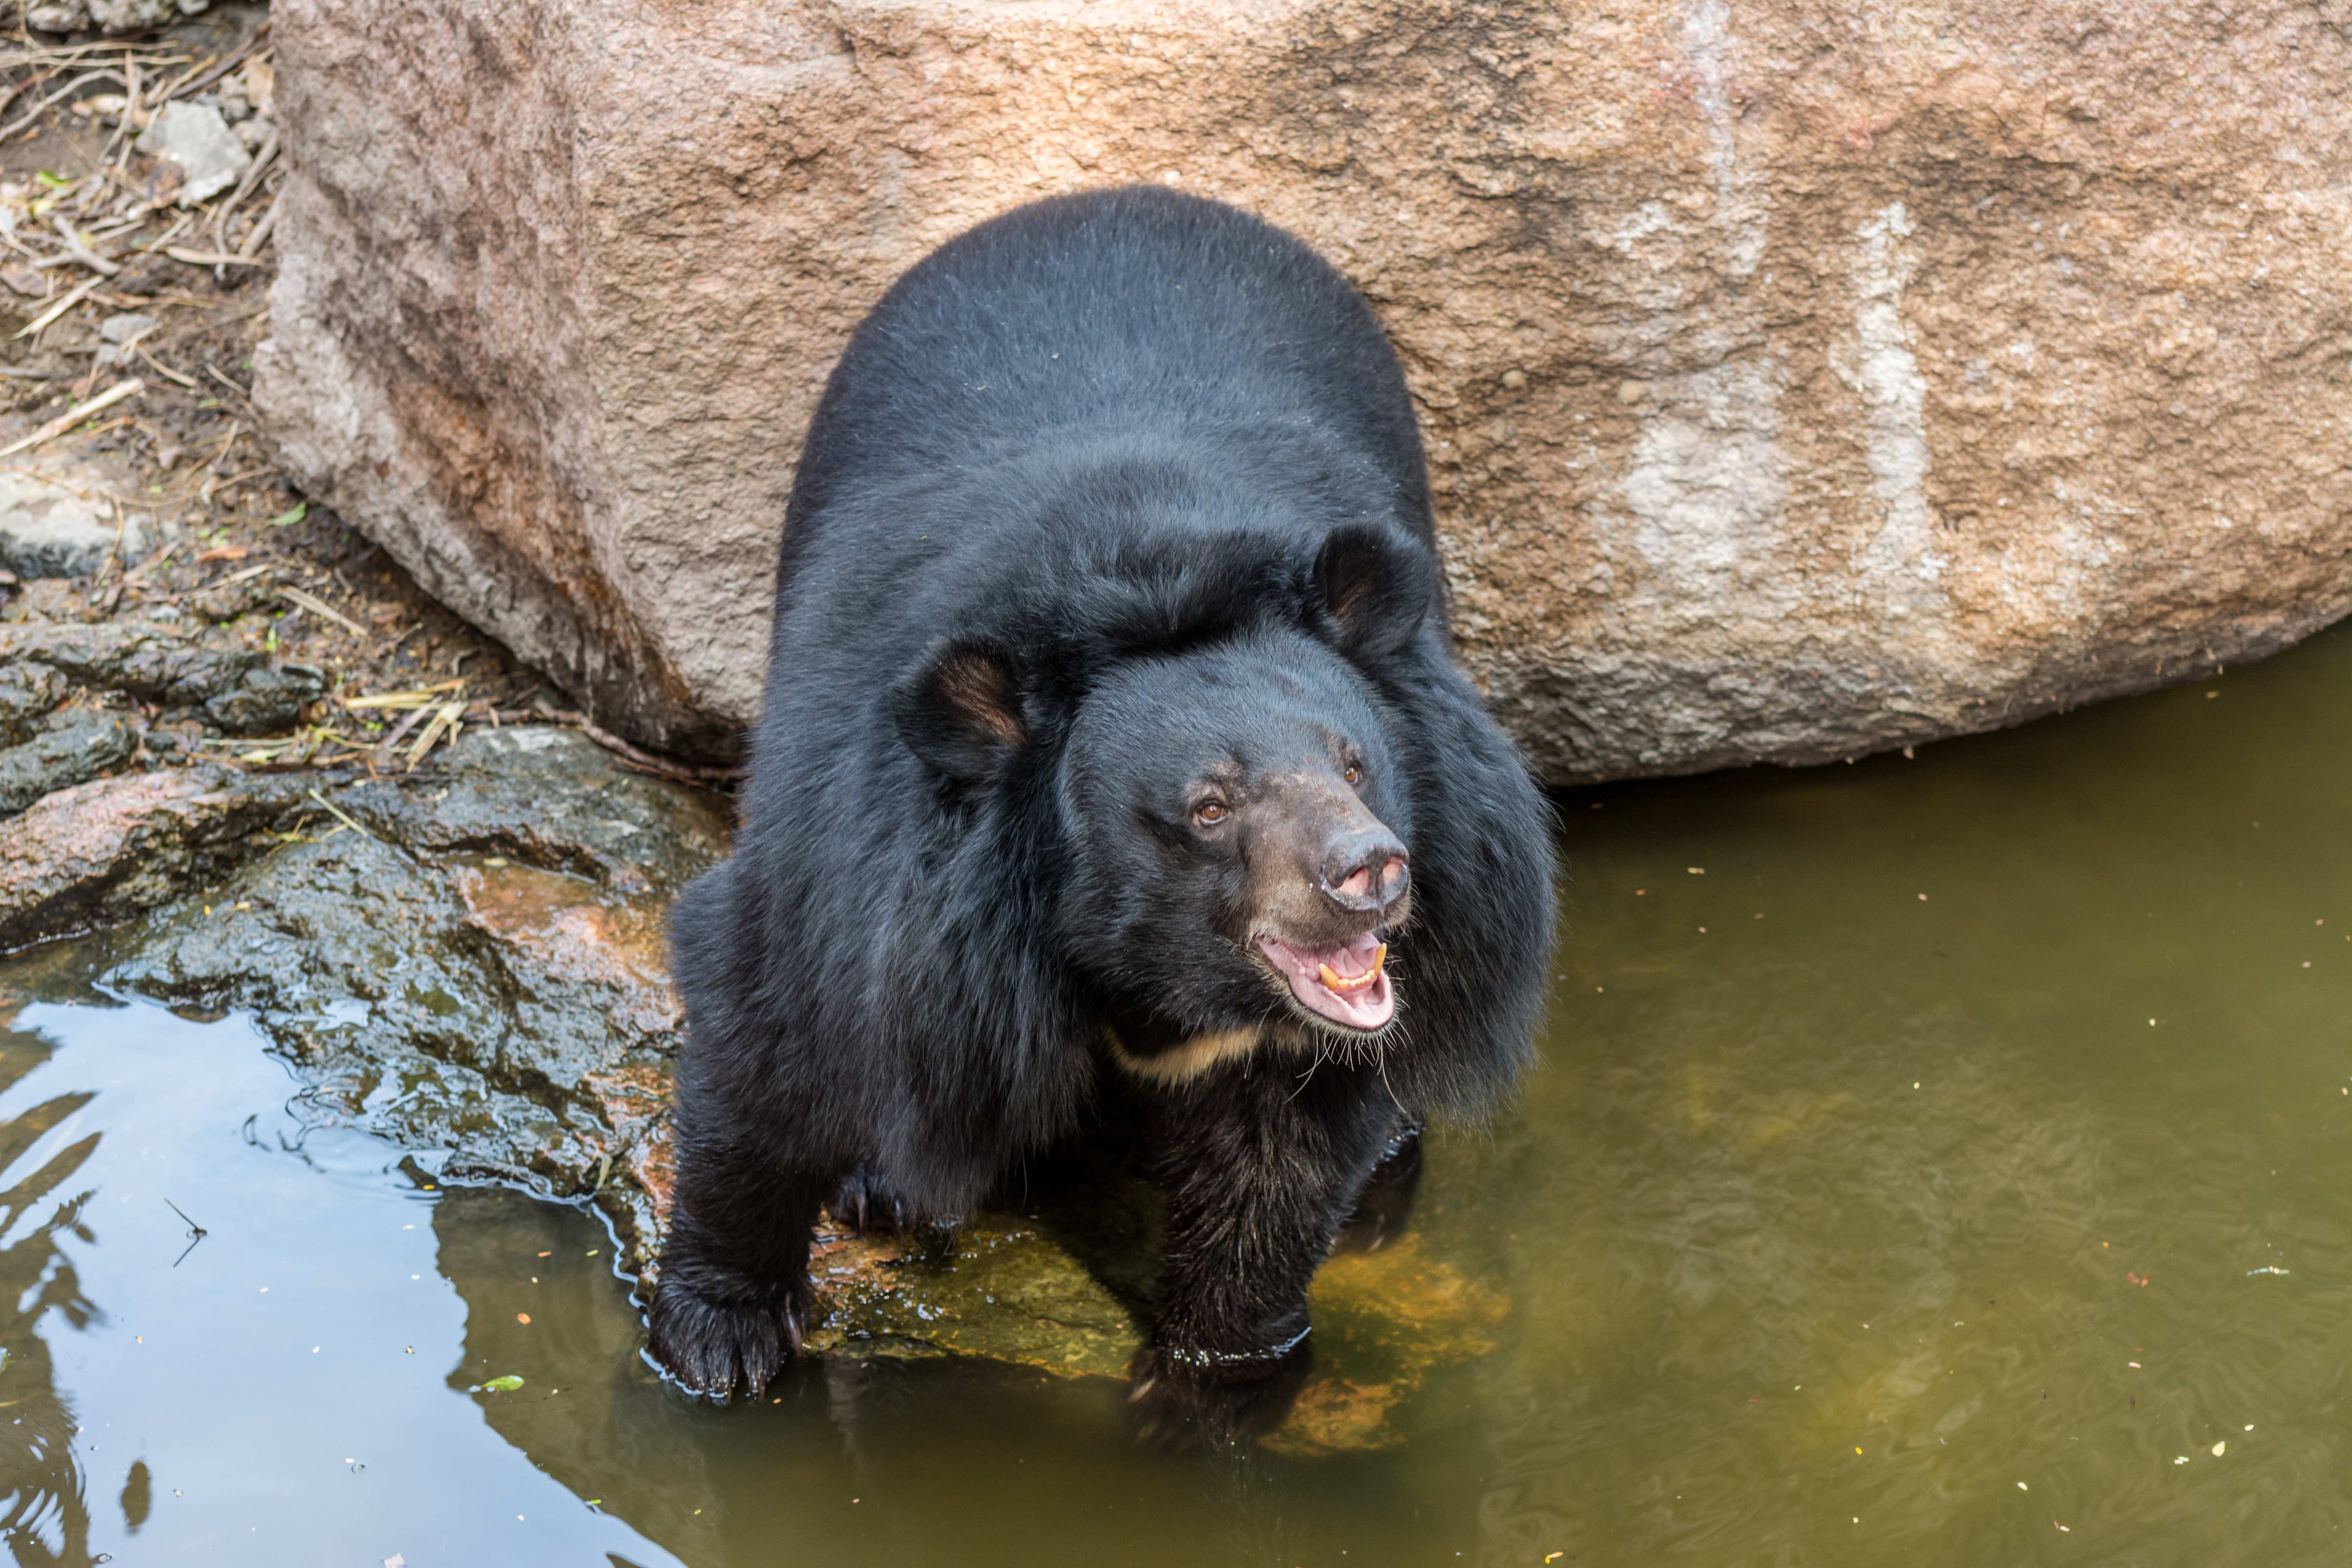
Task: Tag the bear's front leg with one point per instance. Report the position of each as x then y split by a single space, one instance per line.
1385 1203
733 1296
1262 1160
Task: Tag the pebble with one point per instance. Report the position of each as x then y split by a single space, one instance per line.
197 138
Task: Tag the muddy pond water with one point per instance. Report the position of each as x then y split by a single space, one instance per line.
1943 1160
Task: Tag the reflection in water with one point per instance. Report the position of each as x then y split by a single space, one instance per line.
276 1393
1940 1160
866 1462
47 1516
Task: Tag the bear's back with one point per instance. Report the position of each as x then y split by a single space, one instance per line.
1139 315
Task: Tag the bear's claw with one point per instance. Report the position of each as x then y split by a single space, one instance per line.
715 1348
1177 1402
865 1203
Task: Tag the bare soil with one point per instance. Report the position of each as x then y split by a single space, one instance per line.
238 548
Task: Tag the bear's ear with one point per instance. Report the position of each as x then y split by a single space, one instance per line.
959 711
1375 588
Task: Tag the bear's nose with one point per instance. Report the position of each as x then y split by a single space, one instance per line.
1365 870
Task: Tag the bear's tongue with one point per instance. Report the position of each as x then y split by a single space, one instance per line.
1346 982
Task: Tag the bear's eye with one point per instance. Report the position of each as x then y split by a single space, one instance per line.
1353 775
1208 813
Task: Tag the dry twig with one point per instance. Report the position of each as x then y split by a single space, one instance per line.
66 302
165 371
260 166
169 234
262 230
243 53
339 814
75 416
211 258
449 716
382 751
320 607
153 561
641 760
64 92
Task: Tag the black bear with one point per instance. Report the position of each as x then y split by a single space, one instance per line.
1111 728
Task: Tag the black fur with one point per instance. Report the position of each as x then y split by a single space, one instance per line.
1114 495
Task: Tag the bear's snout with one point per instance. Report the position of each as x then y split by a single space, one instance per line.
1364 870
1323 868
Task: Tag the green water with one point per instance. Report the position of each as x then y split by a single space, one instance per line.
1822 1234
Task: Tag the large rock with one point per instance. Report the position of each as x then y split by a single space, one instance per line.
1798 380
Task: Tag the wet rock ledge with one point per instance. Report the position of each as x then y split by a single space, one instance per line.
467 959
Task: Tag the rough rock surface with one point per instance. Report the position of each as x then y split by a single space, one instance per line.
235 689
110 849
469 957
1798 380
68 747
79 700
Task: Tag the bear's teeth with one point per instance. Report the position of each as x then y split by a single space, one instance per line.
1332 981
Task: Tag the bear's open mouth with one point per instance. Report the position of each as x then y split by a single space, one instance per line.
1346 982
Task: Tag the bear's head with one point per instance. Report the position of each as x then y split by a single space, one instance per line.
1233 820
